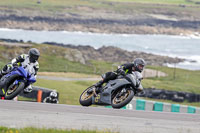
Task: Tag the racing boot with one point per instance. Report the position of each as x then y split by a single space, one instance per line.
96 88
28 89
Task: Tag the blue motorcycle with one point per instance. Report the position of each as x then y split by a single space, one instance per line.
15 81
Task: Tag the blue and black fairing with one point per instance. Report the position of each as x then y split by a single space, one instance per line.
19 71
19 74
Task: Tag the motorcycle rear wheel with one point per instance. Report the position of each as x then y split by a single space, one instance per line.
85 98
122 100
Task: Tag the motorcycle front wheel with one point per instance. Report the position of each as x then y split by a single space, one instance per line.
86 98
120 99
13 90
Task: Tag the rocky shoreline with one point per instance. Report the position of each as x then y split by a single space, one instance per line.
146 25
115 54
105 17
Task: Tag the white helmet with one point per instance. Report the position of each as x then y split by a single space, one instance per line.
53 94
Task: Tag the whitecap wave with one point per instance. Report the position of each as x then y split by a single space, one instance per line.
6 29
185 65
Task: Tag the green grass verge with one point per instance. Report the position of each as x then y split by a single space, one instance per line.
177 79
49 7
69 91
52 6
177 2
63 3
44 130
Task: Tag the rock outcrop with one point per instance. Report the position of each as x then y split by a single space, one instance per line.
114 54
83 54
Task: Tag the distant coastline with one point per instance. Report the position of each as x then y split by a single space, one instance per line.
147 25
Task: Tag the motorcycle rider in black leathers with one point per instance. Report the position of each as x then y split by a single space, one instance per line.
137 65
52 98
22 60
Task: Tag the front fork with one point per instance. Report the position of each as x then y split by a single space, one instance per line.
126 88
122 92
2 92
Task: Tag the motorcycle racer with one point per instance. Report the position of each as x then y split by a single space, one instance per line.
137 65
52 98
31 59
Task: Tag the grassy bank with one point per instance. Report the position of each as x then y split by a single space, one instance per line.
47 4
44 130
177 79
176 2
48 7
69 91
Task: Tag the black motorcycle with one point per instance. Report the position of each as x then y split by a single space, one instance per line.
117 93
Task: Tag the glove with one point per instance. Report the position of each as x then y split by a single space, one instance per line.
121 72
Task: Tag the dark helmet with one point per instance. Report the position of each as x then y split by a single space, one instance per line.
139 64
33 55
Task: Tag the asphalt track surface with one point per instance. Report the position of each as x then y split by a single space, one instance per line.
18 114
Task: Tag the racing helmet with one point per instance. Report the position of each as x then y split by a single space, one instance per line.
139 64
53 94
34 54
